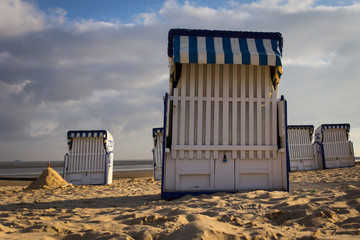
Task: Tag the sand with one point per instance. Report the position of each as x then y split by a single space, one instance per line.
322 204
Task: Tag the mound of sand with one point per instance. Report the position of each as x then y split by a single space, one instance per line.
49 179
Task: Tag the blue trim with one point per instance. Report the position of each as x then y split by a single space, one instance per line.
246 59
177 48
228 54
210 50
263 58
164 145
274 45
214 33
193 49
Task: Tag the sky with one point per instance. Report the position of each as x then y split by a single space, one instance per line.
92 64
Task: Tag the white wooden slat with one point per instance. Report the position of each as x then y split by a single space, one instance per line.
216 105
234 110
208 110
267 111
192 109
183 109
251 109
225 127
242 110
89 153
200 109
259 141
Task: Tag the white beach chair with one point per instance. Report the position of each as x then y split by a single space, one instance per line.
334 146
158 136
90 157
302 152
225 126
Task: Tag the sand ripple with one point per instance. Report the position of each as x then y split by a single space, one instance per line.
321 204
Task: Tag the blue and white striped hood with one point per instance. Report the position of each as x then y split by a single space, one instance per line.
226 47
310 128
323 127
108 139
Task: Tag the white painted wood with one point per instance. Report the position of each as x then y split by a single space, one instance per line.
86 161
225 113
301 151
259 117
216 105
243 116
224 110
200 109
208 109
192 109
251 109
234 110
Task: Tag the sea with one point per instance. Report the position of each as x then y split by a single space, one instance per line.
31 170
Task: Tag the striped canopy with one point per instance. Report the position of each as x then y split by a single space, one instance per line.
87 134
344 126
310 128
324 127
226 47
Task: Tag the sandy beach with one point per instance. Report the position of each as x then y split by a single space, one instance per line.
323 204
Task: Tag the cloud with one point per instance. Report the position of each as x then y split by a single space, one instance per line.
18 17
58 74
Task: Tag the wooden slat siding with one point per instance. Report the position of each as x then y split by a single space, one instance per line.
216 105
93 163
87 154
200 109
267 111
192 108
208 109
216 108
251 109
182 108
274 122
71 157
225 120
259 140
234 109
76 148
242 109
99 162
80 149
